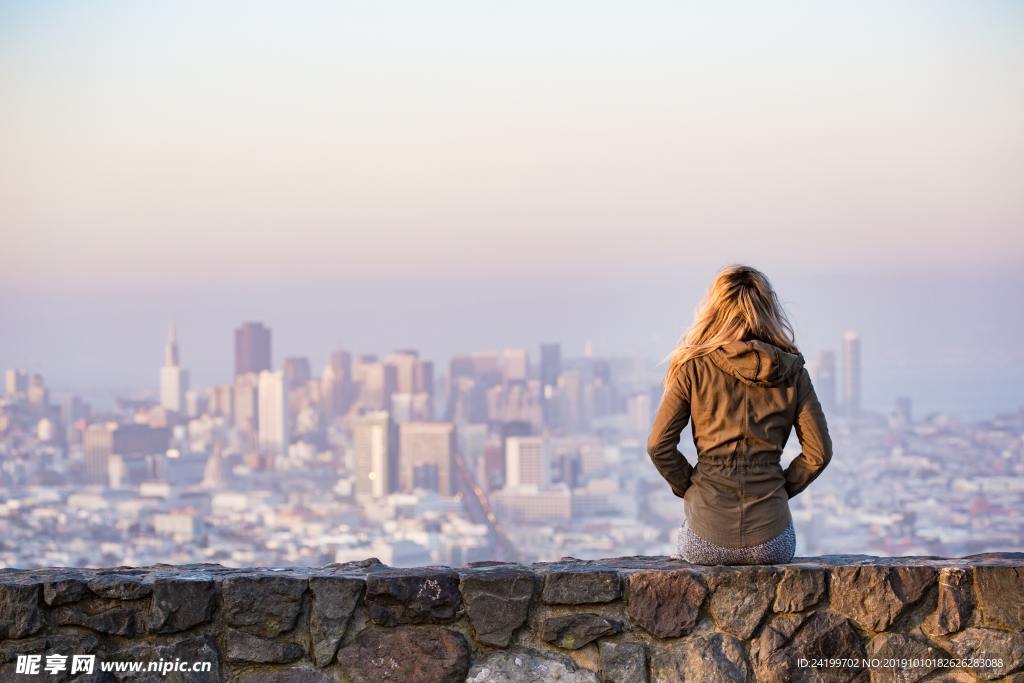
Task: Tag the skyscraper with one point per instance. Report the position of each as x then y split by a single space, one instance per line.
173 379
296 371
550 369
824 379
274 430
426 457
851 374
375 454
252 348
526 461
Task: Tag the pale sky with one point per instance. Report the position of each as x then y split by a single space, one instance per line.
392 160
216 141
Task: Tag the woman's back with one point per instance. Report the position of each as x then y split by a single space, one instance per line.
743 398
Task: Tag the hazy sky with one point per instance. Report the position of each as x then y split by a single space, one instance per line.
375 172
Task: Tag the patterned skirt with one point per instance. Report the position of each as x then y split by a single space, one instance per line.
696 550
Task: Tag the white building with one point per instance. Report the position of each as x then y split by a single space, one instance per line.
526 461
274 428
173 378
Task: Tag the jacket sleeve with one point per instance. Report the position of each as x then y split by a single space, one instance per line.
812 431
673 414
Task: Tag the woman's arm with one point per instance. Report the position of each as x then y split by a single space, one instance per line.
812 431
673 414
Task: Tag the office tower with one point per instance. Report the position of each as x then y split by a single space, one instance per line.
426 457
274 430
376 449
550 369
424 378
173 378
379 383
337 390
572 411
252 348
405 362
851 374
515 365
16 382
824 379
296 371
411 408
38 394
638 410
904 408
246 402
526 461
102 441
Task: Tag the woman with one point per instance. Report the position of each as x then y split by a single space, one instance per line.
737 374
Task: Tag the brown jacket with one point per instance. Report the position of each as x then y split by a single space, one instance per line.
744 398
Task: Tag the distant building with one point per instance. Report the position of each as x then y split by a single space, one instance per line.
526 461
274 428
103 440
376 450
638 412
173 378
16 382
825 379
296 372
246 402
380 381
515 365
532 504
337 390
851 374
252 348
426 457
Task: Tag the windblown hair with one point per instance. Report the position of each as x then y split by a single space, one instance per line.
739 306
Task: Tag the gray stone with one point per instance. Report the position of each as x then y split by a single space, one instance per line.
119 586
63 590
20 615
179 604
412 596
61 644
874 596
528 666
953 606
290 675
497 602
799 588
192 650
999 592
623 661
245 647
573 631
666 604
1002 652
740 598
406 654
334 599
787 638
581 587
262 604
896 646
711 658
115 621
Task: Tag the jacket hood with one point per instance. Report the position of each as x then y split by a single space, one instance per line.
757 362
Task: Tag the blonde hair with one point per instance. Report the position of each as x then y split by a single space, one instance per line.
740 305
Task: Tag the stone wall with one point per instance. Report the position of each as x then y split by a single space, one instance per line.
626 619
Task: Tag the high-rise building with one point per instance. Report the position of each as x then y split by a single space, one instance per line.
379 383
252 348
376 450
550 369
173 378
246 402
104 440
16 382
526 461
824 379
337 390
851 373
296 371
274 428
426 457
515 365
